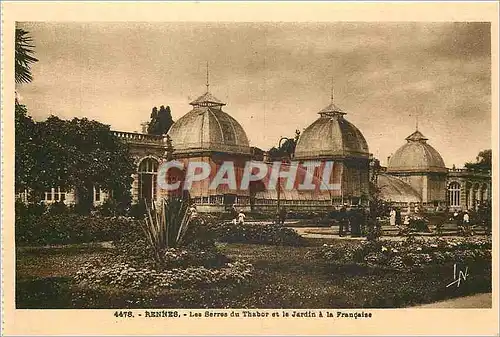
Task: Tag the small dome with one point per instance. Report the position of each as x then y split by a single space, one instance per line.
416 156
207 128
331 135
396 190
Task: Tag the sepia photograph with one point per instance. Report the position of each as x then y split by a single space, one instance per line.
102 107
177 169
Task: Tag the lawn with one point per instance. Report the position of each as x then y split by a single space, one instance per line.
285 277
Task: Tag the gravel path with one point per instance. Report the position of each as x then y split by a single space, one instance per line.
474 301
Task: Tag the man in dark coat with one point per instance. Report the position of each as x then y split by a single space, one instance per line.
398 217
342 220
234 214
356 219
282 216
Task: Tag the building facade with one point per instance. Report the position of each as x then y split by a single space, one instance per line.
415 175
329 139
207 134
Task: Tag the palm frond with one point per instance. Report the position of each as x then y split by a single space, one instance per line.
24 51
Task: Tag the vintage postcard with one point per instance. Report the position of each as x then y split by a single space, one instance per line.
249 168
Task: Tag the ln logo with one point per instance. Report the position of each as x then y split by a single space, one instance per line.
461 276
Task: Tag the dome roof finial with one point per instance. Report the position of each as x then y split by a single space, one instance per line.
207 99
208 83
332 109
333 93
417 136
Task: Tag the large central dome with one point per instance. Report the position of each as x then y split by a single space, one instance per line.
331 135
416 156
207 128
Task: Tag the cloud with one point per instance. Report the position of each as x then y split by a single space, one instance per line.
464 40
275 77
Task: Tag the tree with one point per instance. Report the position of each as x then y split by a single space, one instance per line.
26 144
25 135
77 153
286 148
483 162
84 154
161 121
23 56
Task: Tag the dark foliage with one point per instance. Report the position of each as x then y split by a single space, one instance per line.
161 121
64 227
273 234
286 148
71 153
483 162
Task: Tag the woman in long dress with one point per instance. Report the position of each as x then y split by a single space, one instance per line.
392 215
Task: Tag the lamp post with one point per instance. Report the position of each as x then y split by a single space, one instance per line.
283 158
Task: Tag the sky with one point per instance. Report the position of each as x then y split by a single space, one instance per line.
274 77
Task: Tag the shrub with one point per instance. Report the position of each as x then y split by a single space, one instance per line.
198 249
373 229
138 210
29 210
69 228
199 234
112 207
263 233
58 207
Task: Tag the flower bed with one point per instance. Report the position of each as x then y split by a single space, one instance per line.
411 253
124 275
284 277
139 253
193 264
263 233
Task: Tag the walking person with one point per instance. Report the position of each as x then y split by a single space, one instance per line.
398 217
355 220
407 221
193 210
405 228
455 216
234 215
282 216
241 218
466 221
392 217
342 220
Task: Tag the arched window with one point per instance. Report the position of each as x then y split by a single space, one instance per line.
148 170
454 194
148 165
484 193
